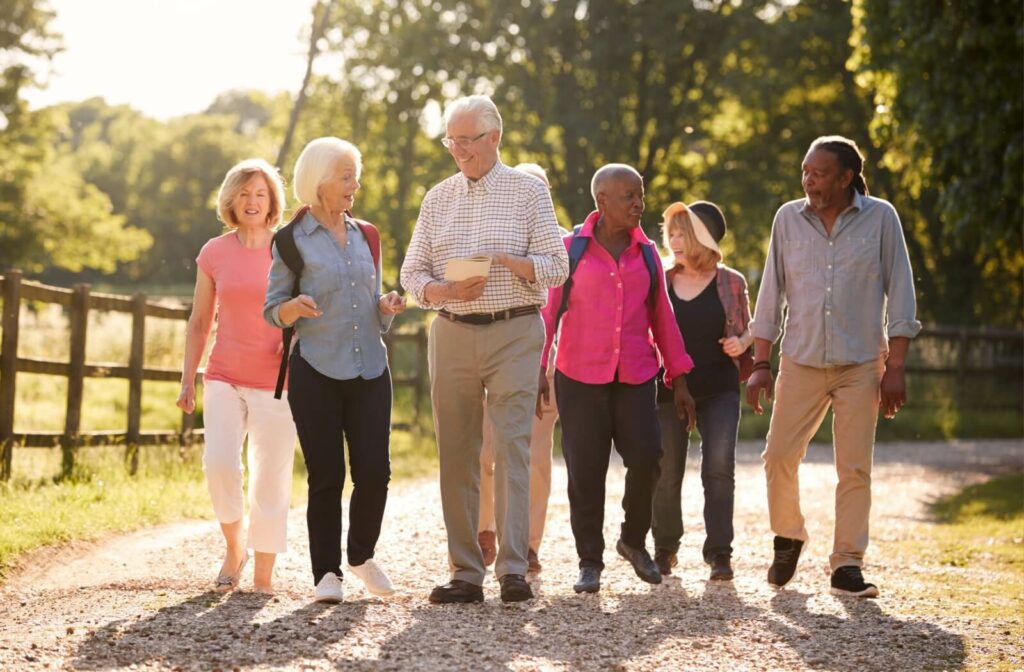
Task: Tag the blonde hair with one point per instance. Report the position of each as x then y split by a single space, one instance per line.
315 163
705 258
237 178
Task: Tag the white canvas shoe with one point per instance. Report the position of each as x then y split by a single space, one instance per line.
373 578
329 589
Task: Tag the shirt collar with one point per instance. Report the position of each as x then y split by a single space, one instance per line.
637 235
485 183
309 223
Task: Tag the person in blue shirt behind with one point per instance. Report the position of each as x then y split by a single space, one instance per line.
339 385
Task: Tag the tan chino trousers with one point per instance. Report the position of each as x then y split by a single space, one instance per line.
465 361
803 395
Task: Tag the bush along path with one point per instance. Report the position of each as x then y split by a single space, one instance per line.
141 601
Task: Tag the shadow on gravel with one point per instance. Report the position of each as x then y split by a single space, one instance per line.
213 631
599 632
867 639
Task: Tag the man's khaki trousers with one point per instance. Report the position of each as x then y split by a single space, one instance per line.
502 358
803 394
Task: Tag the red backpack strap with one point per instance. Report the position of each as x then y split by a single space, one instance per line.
372 236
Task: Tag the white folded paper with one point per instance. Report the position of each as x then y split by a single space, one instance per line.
468 267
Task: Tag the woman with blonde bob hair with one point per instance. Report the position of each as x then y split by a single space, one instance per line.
340 383
712 310
238 384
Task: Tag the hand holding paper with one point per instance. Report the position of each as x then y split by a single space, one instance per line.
468 267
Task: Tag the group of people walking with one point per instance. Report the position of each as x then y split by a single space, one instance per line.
592 327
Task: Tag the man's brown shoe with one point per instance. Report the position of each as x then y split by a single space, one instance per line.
488 541
457 591
665 560
533 563
514 588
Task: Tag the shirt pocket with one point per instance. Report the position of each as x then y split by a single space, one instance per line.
799 257
320 277
859 258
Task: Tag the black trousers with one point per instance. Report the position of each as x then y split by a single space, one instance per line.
593 416
328 413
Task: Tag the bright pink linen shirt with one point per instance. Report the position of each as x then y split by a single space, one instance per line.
608 326
245 351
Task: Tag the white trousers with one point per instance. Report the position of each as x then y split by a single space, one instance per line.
230 412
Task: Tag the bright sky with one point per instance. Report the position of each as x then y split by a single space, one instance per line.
172 58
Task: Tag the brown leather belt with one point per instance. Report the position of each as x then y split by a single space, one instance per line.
489 318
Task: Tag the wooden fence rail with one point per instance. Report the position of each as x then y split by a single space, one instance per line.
80 301
962 353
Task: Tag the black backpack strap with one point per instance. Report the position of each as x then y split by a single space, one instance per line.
284 241
576 249
654 270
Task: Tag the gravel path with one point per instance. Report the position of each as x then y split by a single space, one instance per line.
140 601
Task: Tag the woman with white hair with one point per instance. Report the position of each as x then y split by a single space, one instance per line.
339 385
238 384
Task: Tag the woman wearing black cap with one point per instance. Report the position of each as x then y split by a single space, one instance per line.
712 310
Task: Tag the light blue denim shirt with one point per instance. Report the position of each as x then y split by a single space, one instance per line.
344 342
844 294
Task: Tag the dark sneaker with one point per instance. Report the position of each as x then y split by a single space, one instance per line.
721 568
848 580
533 564
641 561
457 591
783 569
665 560
514 588
589 580
488 541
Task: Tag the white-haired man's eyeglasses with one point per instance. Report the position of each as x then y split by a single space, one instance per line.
462 141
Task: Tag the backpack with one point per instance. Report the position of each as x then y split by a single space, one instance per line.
284 239
576 249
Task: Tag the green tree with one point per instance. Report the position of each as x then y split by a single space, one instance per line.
49 215
946 78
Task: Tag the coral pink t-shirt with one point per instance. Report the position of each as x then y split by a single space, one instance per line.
245 352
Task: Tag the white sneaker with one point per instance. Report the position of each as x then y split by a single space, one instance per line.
373 578
329 589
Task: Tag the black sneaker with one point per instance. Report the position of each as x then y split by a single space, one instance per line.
783 569
641 561
721 568
589 580
848 580
665 560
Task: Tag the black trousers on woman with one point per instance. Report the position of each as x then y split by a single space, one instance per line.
593 416
329 413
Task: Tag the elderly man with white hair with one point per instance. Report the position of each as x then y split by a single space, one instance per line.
488 340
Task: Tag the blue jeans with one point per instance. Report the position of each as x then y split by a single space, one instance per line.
718 419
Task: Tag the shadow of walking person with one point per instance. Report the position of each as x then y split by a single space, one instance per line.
865 639
211 630
603 631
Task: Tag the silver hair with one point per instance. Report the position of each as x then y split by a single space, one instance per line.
536 171
316 162
610 171
480 105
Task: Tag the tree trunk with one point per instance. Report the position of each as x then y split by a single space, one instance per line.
321 16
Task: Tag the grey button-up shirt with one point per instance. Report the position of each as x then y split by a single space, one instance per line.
844 295
344 342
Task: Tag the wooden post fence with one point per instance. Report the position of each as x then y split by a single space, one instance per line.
79 302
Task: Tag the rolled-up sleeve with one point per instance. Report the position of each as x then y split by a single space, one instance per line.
279 289
416 271
898 280
547 251
767 322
